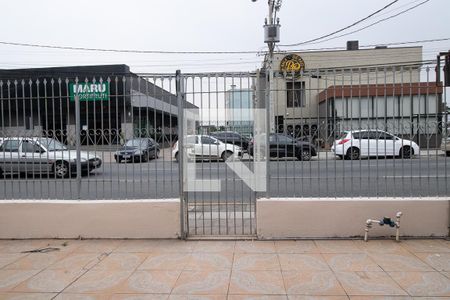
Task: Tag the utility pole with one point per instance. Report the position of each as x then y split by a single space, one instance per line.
271 37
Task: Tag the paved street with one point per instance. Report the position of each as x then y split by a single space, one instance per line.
421 176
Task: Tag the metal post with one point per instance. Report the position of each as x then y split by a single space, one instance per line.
77 144
268 127
180 102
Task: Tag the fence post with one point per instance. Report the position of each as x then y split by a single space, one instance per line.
180 123
78 140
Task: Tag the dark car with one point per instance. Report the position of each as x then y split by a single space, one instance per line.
285 146
138 150
230 137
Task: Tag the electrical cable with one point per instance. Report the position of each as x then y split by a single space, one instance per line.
342 29
373 24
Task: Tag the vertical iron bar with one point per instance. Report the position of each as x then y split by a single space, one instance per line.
180 103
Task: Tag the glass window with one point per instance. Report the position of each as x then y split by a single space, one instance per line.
295 93
10 146
284 139
30 147
207 140
51 144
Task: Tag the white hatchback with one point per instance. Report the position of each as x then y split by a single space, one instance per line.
207 147
367 143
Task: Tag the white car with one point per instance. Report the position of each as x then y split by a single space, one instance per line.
41 155
207 147
366 143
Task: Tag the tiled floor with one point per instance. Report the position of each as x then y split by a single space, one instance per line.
171 269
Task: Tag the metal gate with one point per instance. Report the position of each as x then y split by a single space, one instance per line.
221 131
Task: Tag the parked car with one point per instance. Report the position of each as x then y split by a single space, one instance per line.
367 143
281 145
445 145
230 137
138 150
41 155
205 147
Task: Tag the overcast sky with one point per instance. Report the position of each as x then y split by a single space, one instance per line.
200 25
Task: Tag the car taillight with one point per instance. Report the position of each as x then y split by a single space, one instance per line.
341 142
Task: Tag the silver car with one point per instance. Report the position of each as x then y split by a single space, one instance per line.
41 155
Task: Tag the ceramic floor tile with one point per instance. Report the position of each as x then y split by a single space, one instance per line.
77 261
175 246
255 247
150 282
27 296
140 297
9 258
303 262
381 246
49 281
202 283
312 283
9 279
369 283
438 261
197 297
351 262
400 262
256 283
383 298
433 246
446 274
138 246
87 296
339 246
296 247
18 246
214 246
165 261
99 281
257 297
301 297
256 262
121 261
36 261
423 283
210 261
65 245
98 246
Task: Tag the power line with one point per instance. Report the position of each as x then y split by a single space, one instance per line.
342 29
125 50
375 23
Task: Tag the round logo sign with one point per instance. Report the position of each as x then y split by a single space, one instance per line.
292 63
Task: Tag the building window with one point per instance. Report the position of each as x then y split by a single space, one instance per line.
295 94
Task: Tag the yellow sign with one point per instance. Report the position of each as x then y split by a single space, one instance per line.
292 63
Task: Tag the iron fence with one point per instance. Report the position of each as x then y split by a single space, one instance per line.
364 132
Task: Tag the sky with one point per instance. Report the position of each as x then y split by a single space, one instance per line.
201 25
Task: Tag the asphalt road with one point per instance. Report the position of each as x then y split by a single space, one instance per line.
421 176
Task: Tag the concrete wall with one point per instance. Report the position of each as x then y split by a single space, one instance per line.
316 218
90 219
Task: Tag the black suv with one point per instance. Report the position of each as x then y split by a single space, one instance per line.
230 137
286 146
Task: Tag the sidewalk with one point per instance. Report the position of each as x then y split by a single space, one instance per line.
163 269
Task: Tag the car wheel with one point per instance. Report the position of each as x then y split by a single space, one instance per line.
340 156
1 173
447 153
118 160
304 155
406 152
226 155
144 157
157 154
353 153
61 169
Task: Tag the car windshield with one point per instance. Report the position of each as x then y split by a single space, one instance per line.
51 144
136 143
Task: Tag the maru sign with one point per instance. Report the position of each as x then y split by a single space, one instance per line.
89 91
292 63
